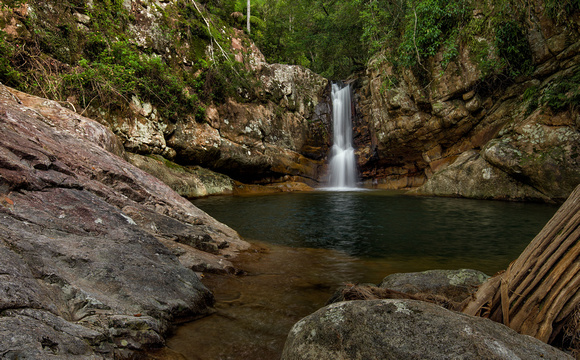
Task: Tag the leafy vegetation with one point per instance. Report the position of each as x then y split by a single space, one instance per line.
336 38
97 63
561 9
322 35
428 24
102 65
10 76
513 48
121 70
564 92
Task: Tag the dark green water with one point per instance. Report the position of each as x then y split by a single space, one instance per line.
308 244
486 235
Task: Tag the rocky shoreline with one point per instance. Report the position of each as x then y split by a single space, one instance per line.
98 257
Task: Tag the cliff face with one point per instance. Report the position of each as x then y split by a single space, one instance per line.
282 136
172 79
470 133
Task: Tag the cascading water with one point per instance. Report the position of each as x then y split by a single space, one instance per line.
343 174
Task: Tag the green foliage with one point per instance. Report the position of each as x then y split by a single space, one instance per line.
561 9
121 71
104 68
228 79
482 52
221 8
109 17
322 34
451 47
382 21
190 23
428 25
513 47
333 38
531 98
8 75
564 92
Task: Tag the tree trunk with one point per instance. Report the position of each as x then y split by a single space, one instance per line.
538 295
249 17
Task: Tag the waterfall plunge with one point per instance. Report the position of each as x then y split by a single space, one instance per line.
343 174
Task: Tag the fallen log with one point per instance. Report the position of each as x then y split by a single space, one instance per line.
538 294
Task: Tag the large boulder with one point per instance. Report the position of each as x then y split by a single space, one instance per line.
473 177
455 285
406 329
82 236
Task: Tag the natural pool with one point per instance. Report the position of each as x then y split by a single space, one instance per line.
307 244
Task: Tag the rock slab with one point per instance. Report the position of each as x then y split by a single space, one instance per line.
84 271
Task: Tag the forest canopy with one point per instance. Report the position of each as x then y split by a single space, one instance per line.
336 38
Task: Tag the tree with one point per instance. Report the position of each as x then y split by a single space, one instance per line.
539 293
248 18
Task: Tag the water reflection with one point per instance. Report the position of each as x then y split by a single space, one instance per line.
386 225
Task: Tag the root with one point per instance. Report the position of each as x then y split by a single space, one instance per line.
572 332
366 292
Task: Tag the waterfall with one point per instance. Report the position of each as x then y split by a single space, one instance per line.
342 165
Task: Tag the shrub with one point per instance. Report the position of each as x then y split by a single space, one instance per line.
513 47
8 75
428 25
563 92
122 71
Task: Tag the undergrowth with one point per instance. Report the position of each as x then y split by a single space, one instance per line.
99 63
563 92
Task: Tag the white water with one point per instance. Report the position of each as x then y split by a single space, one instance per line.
343 174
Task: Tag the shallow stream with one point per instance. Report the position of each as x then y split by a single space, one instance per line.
308 244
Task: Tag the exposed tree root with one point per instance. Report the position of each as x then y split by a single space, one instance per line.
366 292
538 295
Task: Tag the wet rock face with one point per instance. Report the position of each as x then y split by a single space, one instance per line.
84 268
406 329
412 134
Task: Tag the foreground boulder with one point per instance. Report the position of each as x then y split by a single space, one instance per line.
406 329
89 244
